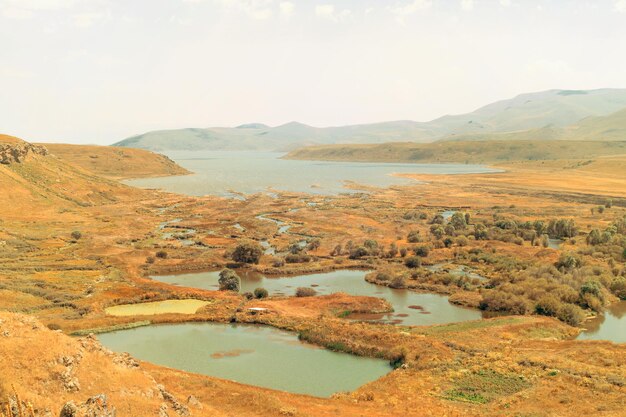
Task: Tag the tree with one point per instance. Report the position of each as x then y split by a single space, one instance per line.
229 280
248 253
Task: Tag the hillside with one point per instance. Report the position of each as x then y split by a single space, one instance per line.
117 163
35 181
553 109
475 152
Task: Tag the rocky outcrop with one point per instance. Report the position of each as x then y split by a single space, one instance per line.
18 152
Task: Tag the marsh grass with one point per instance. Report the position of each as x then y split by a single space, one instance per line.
484 386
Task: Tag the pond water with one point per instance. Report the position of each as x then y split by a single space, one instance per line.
227 173
410 308
156 307
611 325
256 355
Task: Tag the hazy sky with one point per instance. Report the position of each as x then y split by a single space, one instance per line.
97 71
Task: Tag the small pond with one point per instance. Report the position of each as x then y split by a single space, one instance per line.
611 325
255 355
410 308
156 307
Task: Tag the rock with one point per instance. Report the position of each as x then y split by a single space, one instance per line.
95 406
18 152
69 410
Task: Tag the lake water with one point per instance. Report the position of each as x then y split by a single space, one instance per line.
222 172
410 308
255 355
611 325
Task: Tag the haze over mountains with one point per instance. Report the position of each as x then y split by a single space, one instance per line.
553 114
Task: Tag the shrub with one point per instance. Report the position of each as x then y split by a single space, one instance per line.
382 276
150 260
297 258
413 262
305 292
571 314
260 293
458 221
229 280
568 261
503 301
359 252
278 262
438 219
393 250
403 252
314 244
548 305
337 250
397 282
422 251
248 253
618 287
414 236
76 235
161 254
248 295
462 241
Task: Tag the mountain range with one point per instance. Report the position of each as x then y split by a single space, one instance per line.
553 114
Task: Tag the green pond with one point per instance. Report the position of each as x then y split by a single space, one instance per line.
156 307
611 325
255 355
410 308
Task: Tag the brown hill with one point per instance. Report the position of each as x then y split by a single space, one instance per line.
117 163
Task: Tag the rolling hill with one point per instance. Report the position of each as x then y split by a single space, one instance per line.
546 112
475 152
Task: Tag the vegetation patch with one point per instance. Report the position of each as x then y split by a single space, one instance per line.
484 386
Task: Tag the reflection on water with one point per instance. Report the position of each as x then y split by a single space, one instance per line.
410 308
221 172
611 325
255 355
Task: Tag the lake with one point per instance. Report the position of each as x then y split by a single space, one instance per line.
410 308
222 172
255 355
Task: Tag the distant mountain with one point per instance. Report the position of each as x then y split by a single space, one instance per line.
547 113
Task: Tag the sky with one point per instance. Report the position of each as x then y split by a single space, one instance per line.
98 71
